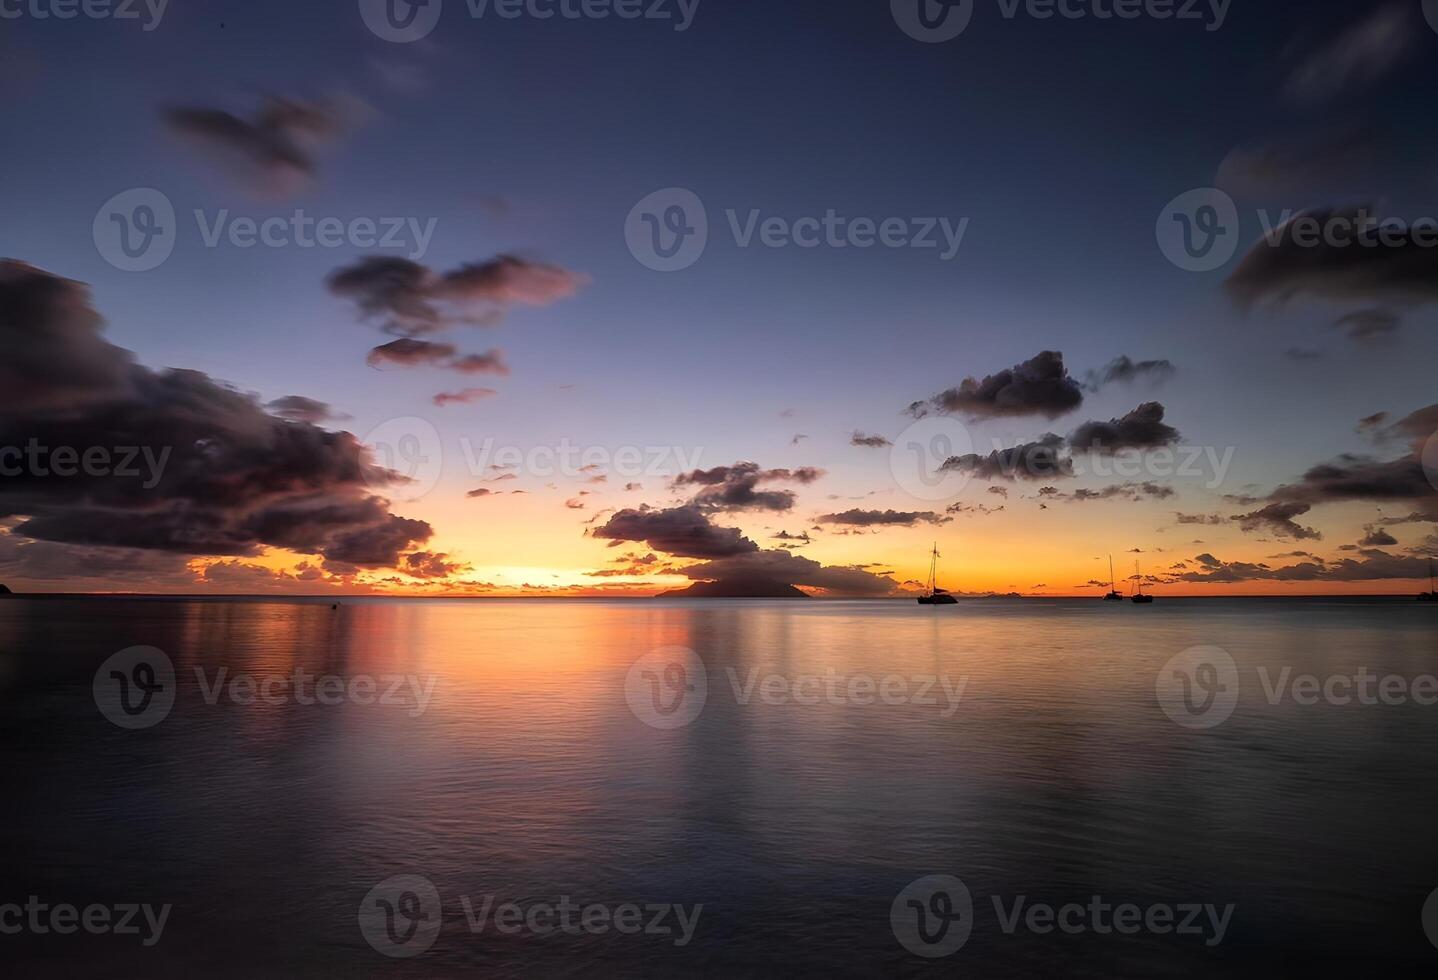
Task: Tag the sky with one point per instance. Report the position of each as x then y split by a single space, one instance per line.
805 412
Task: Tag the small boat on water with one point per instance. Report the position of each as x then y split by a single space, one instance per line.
1432 594
1138 593
1114 595
933 595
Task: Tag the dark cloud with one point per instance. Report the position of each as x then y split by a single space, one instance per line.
1123 369
298 408
1040 386
479 492
732 564
1117 491
1143 428
463 397
685 532
868 441
1372 566
1355 477
797 540
1041 460
272 154
408 352
1369 326
1357 57
736 487
46 561
235 479
55 357
1344 254
1372 423
959 507
1278 518
430 564
410 299
883 518
1333 157
1302 354
769 572
1376 537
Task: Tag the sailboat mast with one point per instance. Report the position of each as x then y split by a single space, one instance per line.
1111 581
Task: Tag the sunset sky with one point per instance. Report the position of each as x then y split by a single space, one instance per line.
1288 392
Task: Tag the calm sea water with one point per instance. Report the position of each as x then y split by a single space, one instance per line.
806 777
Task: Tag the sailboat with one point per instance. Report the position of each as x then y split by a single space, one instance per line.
1138 594
1114 595
1432 594
933 595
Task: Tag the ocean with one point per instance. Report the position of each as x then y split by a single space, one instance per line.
637 788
